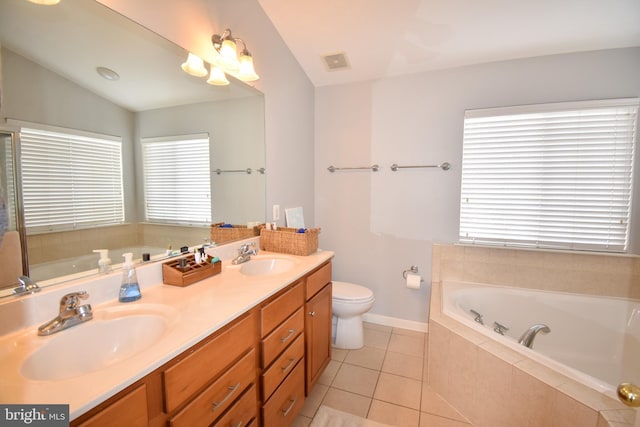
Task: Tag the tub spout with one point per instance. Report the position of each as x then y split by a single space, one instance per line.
530 334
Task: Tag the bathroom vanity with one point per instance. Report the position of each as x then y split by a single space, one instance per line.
243 347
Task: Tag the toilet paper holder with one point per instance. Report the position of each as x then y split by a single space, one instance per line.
413 269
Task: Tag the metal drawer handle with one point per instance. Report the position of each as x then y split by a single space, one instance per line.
285 412
291 332
232 389
284 369
240 424
312 313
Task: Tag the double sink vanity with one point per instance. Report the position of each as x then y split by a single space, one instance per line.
243 347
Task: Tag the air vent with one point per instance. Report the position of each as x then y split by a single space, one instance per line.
336 61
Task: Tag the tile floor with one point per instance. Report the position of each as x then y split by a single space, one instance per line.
384 381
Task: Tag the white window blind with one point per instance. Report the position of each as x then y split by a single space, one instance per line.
70 181
549 176
177 183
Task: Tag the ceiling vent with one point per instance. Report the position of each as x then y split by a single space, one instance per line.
336 61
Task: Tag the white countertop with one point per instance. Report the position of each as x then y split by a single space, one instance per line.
200 310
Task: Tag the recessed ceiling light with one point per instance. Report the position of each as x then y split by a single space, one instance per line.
107 73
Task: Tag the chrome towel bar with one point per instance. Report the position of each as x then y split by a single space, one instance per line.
373 168
247 170
444 166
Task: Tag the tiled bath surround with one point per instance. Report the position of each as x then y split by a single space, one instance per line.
492 385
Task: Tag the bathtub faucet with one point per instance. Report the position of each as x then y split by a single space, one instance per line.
530 334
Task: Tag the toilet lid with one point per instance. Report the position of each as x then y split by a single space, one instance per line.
350 291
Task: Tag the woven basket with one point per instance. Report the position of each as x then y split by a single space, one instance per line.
289 241
237 232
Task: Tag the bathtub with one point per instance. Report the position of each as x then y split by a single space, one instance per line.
594 340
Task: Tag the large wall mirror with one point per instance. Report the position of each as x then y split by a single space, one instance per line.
50 60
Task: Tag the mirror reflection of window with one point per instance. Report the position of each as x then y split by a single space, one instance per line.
177 184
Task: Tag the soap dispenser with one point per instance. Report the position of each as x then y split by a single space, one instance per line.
129 290
104 263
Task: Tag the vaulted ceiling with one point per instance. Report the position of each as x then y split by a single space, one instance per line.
382 38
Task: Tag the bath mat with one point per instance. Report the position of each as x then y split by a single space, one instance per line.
329 417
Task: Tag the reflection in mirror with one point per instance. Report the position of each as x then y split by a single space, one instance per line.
49 59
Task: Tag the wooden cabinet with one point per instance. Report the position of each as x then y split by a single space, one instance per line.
256 371
317 328
129 410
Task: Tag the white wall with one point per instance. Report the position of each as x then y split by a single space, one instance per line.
381 223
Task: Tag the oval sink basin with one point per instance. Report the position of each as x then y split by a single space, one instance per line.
93 345
266 266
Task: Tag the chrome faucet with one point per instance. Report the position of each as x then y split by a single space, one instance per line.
27 286
71 314
244 253
530 334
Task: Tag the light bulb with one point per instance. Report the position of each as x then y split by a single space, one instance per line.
247 72
194 65
217 77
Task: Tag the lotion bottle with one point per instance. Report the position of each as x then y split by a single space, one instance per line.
129 290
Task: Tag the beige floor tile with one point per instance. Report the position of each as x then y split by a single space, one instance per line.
314 400
394 415
408 333
301 421
377 327
403 365
376 338
367 357
434 404
413 346
356 379
428 420
338 354
399 390
347 402
329 372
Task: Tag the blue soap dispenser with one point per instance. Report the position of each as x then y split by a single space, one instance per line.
129 290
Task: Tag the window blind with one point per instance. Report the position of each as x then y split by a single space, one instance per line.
70 181
177 183
549 176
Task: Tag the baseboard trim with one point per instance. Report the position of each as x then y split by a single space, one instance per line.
395 322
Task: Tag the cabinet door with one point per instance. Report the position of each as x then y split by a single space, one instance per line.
318 335
130 410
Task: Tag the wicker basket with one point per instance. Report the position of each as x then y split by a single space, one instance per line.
225 234
289 241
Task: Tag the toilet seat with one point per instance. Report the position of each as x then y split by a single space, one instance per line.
351 293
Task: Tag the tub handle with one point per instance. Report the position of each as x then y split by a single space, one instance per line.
478 317
501 329
629 394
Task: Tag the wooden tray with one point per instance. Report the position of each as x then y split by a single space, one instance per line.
173 274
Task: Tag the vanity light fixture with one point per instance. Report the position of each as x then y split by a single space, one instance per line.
227 62
194 65
217 77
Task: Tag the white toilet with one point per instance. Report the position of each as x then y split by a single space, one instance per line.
349 303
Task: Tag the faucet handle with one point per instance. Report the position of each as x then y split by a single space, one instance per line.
70 301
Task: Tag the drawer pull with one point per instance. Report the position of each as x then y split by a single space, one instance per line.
240 424
312 313
291 332
291 361
232 389
286 411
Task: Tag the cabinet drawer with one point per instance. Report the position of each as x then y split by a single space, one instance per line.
318 279
283 365
130 410
220 395
279 309
286 402
189 375
243 413
285 334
